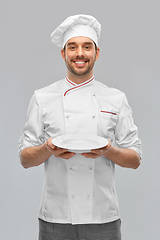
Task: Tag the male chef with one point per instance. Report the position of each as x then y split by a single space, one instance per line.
79 200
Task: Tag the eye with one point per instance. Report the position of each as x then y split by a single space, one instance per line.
87 47
72 47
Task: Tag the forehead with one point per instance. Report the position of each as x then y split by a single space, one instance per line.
80 40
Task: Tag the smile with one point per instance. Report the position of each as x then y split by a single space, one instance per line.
80 63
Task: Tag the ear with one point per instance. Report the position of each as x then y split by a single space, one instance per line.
97 53
63 54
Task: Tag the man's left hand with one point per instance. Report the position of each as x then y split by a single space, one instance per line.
95 153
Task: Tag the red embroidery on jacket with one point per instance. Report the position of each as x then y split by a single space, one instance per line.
70 81
85 83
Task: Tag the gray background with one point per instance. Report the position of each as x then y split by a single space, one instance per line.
129 61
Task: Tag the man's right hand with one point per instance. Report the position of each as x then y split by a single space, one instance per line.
58 152
36 155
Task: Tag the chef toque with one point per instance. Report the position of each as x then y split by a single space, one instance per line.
76 26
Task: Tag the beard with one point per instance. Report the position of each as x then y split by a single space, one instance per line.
79 71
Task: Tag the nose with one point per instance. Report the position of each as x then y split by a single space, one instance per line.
79 52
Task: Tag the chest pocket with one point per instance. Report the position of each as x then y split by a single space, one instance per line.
107 120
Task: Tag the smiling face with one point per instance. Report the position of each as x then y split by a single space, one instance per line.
80 55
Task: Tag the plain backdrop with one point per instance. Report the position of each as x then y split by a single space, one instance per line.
129 61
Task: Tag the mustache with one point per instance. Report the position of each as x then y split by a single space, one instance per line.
80 58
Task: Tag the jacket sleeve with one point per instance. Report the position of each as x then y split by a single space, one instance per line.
126 133
33 133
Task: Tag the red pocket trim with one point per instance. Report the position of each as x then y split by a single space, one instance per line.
109 112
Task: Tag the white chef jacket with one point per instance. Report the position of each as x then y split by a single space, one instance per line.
79 190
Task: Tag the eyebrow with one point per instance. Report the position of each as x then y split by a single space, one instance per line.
72 43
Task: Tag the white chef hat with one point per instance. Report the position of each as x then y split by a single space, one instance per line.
76 26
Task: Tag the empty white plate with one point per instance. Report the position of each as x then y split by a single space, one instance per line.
79 143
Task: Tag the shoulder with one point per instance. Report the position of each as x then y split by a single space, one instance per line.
50 92
50 88
109 92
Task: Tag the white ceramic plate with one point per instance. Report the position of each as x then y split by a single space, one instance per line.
79 143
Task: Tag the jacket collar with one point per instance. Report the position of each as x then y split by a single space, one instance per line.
74 86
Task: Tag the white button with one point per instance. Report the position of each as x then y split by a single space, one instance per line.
88 196
70 169
94 95
72 196
90 168
67 116
93 116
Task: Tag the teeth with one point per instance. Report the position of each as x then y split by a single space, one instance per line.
80 62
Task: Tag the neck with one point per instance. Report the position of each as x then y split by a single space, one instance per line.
79 79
